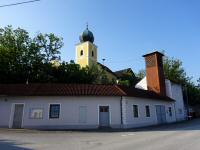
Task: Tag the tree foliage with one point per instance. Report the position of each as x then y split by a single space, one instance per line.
49 46
128 79
198 82
141 74
24 59
174 70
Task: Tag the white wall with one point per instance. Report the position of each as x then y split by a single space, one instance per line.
142 84
142 120
69 115
177 94
5 110
173 91
168 86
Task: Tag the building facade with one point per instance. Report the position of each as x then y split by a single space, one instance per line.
155 100
83 112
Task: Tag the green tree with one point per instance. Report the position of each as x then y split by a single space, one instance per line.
141 74
25 59
94 73
174 71
49 45
193 94
104 78
128 79
22 56
124 82
14 47
198 82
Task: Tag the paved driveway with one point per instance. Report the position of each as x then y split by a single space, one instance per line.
182 136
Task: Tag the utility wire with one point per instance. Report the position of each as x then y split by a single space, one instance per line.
20 3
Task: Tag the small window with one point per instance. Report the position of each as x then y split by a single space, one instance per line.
81 53
54 111
92 53
135 111
104 109
147 111
36 113
170 111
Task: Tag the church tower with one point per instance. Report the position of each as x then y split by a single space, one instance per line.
86 50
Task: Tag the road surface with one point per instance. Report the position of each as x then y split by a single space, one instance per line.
180 136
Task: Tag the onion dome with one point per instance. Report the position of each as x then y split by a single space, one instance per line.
87 35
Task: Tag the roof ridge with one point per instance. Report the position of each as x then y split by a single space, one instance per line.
121 90
122 69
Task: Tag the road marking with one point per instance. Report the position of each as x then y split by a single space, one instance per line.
130 134
124 135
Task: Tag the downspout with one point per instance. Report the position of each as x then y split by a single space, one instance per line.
187 103
175 111
121 107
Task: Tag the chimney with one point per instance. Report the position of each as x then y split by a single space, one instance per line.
155 73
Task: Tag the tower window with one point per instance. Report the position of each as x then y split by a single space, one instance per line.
92 53
81 53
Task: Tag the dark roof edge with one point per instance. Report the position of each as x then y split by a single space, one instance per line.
161 99
156 52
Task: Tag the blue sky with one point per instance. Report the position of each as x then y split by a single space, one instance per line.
124 30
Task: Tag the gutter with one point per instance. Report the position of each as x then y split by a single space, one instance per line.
121 110
175 111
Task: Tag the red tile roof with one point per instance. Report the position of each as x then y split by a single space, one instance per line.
76 90
59 90
134 92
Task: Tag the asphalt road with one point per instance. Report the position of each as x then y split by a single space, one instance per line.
181 136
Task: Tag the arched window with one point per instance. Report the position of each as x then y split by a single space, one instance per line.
81 53
92 53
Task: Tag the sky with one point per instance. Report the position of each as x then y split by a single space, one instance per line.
124 30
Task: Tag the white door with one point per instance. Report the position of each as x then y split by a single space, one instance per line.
18 115
161 114
104 116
